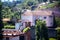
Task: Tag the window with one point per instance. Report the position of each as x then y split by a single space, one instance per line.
44 17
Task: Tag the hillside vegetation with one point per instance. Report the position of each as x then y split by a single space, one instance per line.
9 12
16 11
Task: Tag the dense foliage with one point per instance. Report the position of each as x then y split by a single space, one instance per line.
58 34
1 23
58 21
41 30
27 4
26 29
8 13
49 5
16 11
9 27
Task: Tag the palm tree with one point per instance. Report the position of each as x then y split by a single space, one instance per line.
1 23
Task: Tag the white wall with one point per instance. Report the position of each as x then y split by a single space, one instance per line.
49 21
27 18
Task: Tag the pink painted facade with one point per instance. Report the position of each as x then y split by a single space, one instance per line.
45 15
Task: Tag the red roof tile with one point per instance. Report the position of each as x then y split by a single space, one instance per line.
38 12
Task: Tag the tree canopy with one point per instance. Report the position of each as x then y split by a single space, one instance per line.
1 23
8 12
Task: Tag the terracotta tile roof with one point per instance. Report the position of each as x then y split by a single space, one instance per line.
38 12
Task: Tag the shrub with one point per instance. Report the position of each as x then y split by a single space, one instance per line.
26 29
9 27
41 30
52 39
58 34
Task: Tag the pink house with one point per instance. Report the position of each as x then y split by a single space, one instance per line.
31 16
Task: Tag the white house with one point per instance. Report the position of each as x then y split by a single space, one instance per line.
31 16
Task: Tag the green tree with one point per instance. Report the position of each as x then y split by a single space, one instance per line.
40 1
58 34
41 30
27 4
1 23
58 21
54 21
9 12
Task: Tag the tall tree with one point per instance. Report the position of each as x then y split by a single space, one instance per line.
41 30
40 1
54 20
1 23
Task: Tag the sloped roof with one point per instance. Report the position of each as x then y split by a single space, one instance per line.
42 12
37 12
